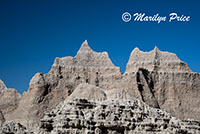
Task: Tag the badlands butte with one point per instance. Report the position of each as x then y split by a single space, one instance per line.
88 94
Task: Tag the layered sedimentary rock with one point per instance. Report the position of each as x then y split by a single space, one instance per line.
158 79
109 116
47 90
112 117
168 83
155 60
84 112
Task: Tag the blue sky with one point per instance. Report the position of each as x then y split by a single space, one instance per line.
33 33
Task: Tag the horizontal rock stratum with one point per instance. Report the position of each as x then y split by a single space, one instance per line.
158 81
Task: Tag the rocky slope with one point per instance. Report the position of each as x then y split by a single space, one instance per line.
158 79
87 112
82 116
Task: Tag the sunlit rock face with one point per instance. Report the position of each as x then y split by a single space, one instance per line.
167 81
112 116
9 100
155 79
47 90
155 60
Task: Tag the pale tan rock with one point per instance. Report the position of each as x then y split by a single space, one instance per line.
2 85
90 92
86 67
174 86
155 60
178 93
33 103
9 100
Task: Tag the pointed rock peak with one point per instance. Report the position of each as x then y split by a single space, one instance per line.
85 44
136 49
2 85
135 52
156 49
84 47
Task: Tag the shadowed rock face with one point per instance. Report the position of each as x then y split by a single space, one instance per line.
160 79
146 87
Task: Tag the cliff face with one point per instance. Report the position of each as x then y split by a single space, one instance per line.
9 100
158 79
168 82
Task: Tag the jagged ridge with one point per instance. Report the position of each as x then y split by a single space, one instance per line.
160 79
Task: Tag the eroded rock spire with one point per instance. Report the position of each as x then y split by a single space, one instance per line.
85 47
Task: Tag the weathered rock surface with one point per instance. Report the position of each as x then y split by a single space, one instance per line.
47 90
2 119
112 117
9 100
2 86
155 60
11 127
90 92
159 79
166 82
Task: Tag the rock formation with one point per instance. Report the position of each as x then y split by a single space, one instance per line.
47 90
2 86
155 60
9 100
12 127
89 92
156 79
168 83
112 117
